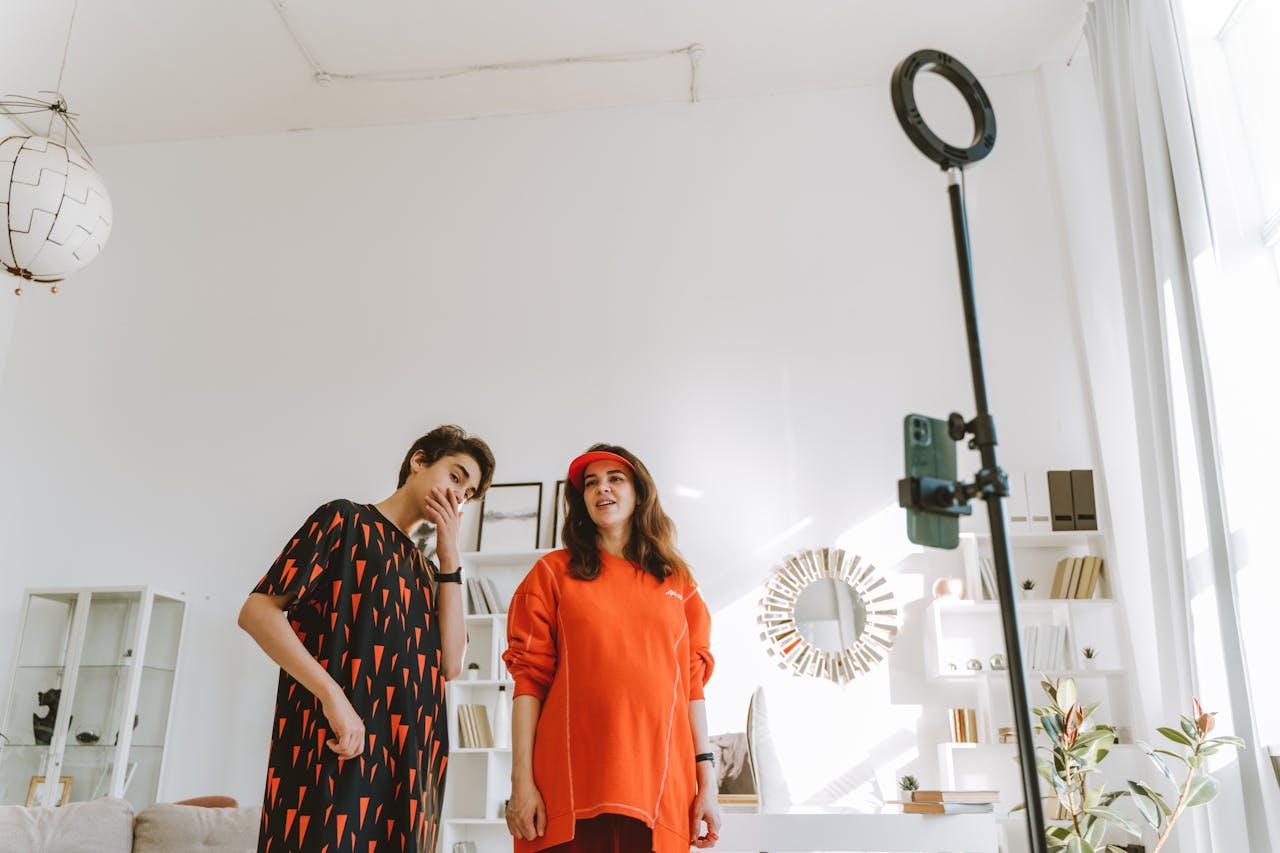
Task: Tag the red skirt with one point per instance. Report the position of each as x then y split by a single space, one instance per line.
607 833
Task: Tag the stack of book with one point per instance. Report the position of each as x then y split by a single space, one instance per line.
951 802
1076 577
473 727
1044 647
484 596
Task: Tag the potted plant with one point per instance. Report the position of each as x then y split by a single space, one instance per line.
1090 657
909 784
1078 746
1027 586
473 671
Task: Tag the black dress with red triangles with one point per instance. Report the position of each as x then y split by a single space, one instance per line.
364 609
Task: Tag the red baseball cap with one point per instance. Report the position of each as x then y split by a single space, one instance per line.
579 465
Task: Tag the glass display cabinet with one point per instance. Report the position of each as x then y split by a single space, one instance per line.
90 695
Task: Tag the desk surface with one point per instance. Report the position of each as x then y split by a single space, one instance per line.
884 833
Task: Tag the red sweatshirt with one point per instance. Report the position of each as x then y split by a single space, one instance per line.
615 661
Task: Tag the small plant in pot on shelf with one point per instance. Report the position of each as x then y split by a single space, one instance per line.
1027 586
909 784
1090 657
473 671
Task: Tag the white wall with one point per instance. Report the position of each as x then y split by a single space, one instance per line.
749 293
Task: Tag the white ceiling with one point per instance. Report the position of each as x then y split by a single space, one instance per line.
145 70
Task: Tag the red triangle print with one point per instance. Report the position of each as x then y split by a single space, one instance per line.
365 528
377 657
360 572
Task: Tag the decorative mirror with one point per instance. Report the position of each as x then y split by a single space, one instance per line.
828 614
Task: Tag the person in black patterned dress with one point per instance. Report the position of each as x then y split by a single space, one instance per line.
359 739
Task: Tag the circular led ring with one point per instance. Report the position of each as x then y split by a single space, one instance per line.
930 144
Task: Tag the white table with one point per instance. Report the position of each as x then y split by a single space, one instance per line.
880 833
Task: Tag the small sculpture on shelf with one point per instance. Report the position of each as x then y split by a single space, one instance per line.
997 662
42 725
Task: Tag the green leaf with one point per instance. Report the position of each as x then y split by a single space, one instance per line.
1181 758
1096 832
1175 736
1141 788
1116 818
1079 845
1096 734
1161 766
1202 790
1189 727
1067 694
1229 740
1146 808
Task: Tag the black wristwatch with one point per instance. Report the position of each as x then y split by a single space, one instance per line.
451 577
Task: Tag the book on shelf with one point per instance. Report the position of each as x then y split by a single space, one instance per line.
483 730
1044 646
1093 573
479 605
1076 577
979 797
947 808
496 604
987 575
473 727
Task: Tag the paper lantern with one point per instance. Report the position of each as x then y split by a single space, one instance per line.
54 207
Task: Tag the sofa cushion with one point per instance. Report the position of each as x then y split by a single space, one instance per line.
170 828
97 826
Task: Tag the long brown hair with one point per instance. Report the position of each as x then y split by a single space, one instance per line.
652 544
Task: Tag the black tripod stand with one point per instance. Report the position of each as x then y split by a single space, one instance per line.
944 498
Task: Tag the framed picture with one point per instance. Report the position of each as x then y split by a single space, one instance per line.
36 790
558 510
509 517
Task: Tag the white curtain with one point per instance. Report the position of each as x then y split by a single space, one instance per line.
1162 236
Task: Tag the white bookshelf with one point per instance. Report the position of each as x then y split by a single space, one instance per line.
962 630
478 780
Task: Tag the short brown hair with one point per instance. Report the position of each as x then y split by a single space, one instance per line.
445 441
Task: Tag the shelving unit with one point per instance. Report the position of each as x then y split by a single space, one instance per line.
479 780
961 631
113 654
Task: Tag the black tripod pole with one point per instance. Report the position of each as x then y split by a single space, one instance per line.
985 442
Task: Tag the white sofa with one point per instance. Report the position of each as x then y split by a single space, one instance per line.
110 826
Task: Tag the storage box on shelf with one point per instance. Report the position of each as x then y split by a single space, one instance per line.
479 778
110 658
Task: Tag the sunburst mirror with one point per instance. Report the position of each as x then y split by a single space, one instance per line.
828 614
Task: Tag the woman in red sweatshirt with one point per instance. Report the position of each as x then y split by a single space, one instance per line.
608 642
